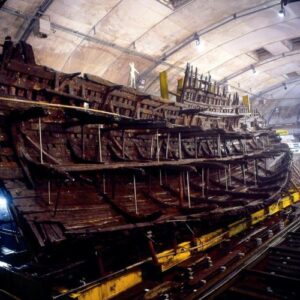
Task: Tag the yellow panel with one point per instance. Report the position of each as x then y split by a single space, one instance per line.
111 288
164 90
237 227
209 240
179 88
296 197
246 101
170 258
282 131
179 85
273 209
285 202
258 216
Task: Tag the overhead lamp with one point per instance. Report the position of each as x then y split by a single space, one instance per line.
197 41
284 86
254 70
3 203
281 12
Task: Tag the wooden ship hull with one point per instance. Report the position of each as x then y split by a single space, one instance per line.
102 178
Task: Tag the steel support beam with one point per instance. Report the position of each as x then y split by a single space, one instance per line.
30 23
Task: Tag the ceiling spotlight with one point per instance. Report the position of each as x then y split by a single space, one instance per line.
284 86
197 41
3 203
281 12
253 69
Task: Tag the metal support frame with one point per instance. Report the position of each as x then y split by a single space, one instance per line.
167 146
41 141
157 146
152 147
244 173
255 172
123 143
82 142
188 188
226 178
104 183
229 174
135 197
203 181
49 192
160 178
99 143
39 12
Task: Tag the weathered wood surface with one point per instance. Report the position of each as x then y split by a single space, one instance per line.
84 157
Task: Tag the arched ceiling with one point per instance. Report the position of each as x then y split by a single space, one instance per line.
101 37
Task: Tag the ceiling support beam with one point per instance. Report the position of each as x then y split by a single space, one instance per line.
275 87
208 29
258 64
91 38
30 23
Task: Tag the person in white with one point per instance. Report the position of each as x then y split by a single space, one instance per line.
132 73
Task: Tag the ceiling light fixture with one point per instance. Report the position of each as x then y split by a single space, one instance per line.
255 72
284 86
281 12
3 203
198 42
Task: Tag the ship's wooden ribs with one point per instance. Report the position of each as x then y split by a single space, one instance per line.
66 96
108 91
29 69
60 78
191 111
68 167
25 115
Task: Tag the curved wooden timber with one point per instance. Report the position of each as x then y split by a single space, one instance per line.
91 168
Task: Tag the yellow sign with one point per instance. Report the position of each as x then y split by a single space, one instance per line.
246 101
282 131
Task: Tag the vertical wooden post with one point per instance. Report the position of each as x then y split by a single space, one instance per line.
151 247
100 263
